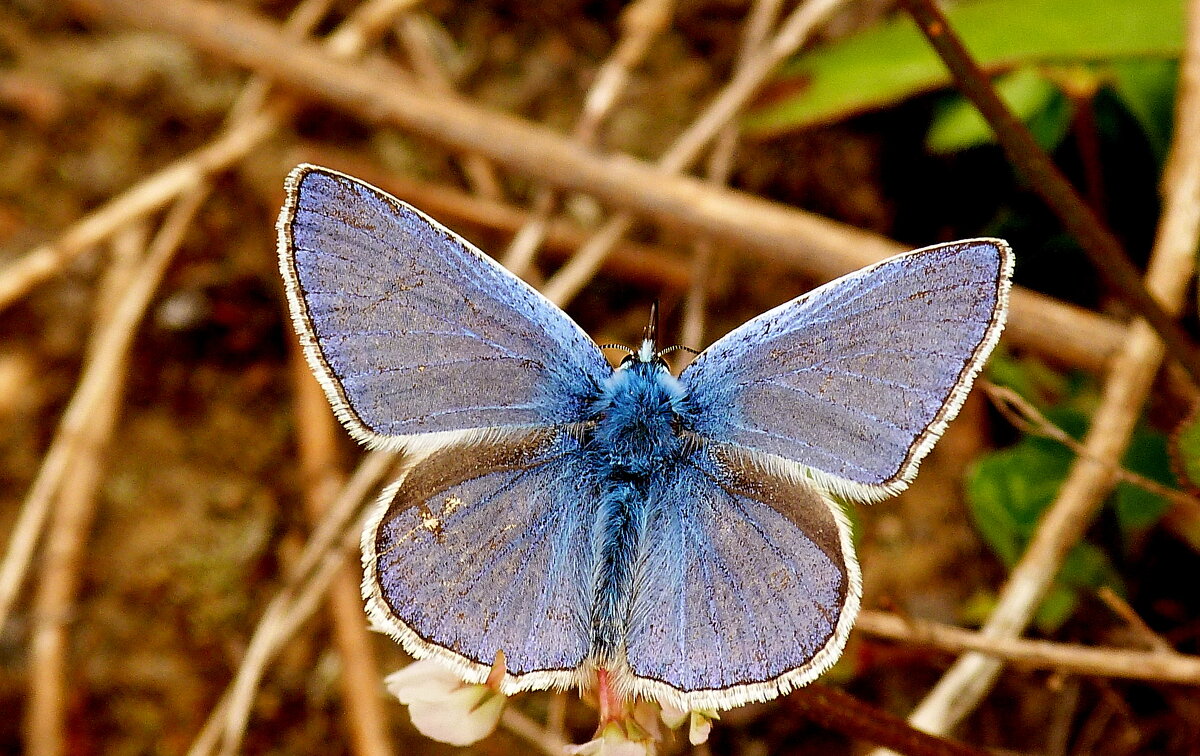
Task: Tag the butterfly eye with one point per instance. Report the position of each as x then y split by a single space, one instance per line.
627 361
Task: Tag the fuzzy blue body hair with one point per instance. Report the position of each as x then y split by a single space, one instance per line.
633 440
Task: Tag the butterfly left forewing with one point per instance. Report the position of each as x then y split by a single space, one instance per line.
411 330
747 585
486 547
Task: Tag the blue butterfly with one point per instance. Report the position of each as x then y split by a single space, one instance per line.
682 534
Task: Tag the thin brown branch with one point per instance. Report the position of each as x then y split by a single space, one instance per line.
99 377
148 196
317 434
54 600
160 189
720 165
823 248
1048 182
839 711
1025 417
1122 609
1125 390
642 22
304 585
688 147
432 75
1164 666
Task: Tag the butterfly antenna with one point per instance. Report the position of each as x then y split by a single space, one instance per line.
622 347
677 348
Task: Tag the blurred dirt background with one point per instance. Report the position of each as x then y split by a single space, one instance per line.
198 508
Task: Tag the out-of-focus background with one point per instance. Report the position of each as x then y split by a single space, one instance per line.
165 462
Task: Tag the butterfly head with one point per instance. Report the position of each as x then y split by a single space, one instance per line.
648 354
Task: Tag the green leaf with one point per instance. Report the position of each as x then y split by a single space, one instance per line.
1147 90
1056 608
1009 490
893 62
1138 509
1185 448
958 125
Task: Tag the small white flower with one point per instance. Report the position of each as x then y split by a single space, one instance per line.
673 717
620 738
701 726
699 722
442 706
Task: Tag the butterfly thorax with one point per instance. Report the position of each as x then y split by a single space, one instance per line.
635 439
638 418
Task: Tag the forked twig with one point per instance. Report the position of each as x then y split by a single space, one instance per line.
642 22
720 164
1025 417
1125 390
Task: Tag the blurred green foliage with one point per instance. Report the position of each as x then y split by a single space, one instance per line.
1009 490
1127 45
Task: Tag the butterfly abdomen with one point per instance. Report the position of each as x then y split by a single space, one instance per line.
635 438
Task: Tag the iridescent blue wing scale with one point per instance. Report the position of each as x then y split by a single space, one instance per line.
487 547
747 586
856 379
414 331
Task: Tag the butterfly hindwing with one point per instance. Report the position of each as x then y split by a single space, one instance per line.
747 586
486 547
856 379
411 329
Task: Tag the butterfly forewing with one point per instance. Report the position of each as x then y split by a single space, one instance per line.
412 329
747 587
484 548
856 379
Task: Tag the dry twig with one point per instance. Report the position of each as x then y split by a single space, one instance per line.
720 164
1125 390
822 248
642 22
317 434
747 78
1162 665
54 600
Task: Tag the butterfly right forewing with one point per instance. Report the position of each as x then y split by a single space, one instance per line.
855 380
